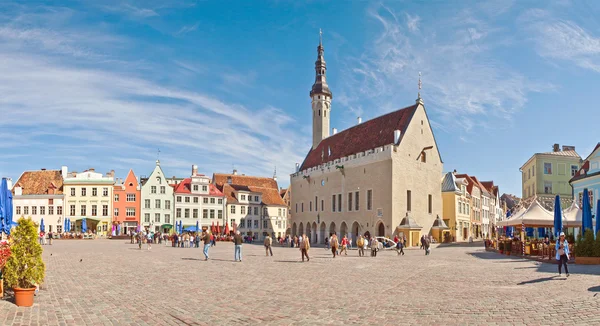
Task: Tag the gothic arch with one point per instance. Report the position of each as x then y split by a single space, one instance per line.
294 229
332 228
300 229
343 229
316 236
354 231
380 229
322 232
308 232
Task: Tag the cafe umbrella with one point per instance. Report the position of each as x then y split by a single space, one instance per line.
558 223
586 214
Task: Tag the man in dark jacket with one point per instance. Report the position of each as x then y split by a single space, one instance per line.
237 242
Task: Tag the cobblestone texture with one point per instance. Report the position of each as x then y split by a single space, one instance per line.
117 284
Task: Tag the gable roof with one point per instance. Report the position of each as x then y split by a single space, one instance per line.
483 189
367 135
184 187
582 172
244 180
449 183
282 192
470 182
38 182
267 187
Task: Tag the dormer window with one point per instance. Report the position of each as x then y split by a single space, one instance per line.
423 157
229 180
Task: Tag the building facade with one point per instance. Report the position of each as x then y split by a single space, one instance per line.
126 205
286 195
157 207
39 195
588 177
254 204
197 200
547 174
89 196
486 208
456 206
380 177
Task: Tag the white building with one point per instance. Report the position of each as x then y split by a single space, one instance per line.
89 195
157 201
198 200
39 194
254 204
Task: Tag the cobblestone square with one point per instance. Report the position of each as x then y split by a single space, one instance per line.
111 282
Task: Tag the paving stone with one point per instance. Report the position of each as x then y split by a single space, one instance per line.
105 282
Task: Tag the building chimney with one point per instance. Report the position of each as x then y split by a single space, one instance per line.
297 167
397 134
92 170
568 148
43 169
234 172
358 120
64 170
556 148
9 183
334 131
454 172
194 170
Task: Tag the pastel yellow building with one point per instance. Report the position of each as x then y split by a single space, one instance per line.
456 207
89 196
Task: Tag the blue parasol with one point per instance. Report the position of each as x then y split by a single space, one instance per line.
6 209
558 224
597 217
197 226
84 225
586 214
42 226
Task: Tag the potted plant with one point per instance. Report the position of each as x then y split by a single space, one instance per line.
25 268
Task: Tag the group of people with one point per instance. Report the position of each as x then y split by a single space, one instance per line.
43 236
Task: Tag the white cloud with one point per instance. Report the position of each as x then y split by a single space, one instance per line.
188 28
562 39
412 22
108 117
461 81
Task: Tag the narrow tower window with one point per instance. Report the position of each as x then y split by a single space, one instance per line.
319 112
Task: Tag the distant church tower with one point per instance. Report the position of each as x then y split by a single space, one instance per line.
321 98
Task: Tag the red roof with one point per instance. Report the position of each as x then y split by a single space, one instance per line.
370 134
184 188
581 173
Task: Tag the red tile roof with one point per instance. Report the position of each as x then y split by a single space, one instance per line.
582 172
282 192
370 134
184 187
244 180
267 187
38 182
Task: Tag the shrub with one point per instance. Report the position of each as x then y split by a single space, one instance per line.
586 245
25 267
597 245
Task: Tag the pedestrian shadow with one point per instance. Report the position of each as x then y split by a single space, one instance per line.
288 261
526 267
594 289
191 259
542 279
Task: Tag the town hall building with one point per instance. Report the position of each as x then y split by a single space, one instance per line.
380 177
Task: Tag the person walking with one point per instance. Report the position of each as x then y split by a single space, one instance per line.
207 240
50 238
427 245
400 247
562 253
140 239
149 241
237 242
344 246
360 244
327 243
374 247
268 243
334 245
304 246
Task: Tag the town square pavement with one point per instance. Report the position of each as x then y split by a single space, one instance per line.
111 282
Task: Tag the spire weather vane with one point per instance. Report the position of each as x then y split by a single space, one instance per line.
158 154
419 99
320 36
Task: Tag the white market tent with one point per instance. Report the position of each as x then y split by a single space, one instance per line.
533 216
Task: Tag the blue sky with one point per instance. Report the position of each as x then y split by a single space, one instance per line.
104 84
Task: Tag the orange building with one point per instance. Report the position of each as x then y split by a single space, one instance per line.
126 204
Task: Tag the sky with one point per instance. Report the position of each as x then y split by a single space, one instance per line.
224 84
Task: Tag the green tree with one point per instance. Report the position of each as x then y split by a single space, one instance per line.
25 267
597 245
586 245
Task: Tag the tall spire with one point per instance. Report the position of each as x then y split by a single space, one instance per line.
419 99
320 86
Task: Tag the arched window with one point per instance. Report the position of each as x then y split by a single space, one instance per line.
423 157
319 112
158 180
325 113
